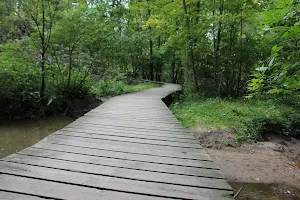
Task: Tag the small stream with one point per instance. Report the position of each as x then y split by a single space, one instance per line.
16 135
264 191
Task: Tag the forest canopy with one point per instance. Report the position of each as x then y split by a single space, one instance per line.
55 50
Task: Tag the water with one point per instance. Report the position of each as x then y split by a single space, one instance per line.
262 191
19 134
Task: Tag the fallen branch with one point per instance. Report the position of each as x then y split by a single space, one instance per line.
238 192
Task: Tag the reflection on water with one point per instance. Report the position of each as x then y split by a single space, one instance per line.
17 135
261 191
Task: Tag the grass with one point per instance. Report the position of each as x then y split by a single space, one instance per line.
114 88
250 119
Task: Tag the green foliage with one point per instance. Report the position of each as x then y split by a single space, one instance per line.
20 82
251 119
209 47
18 78
279 75
106 88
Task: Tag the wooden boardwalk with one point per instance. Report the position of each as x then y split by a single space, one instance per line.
131 147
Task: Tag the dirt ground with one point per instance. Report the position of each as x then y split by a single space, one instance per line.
273 161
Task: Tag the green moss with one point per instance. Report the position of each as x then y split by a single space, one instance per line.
250 119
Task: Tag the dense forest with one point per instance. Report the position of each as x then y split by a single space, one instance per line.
52 51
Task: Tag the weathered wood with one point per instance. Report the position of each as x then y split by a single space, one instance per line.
129 135
125 143
131 147
132 140
79 155
126 149
57 190
132 126
131 131
205 162
111 183
117 172
132 119
16 196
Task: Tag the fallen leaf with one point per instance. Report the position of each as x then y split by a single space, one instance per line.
298 164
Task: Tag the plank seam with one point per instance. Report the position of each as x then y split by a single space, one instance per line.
62 144
69 135
94 187
135 136
181 131
118 131
118 177
27 194
133 160
29 155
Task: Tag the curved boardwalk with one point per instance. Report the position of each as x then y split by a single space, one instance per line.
131 147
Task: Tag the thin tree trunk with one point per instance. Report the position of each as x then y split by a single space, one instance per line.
151 64
172 70
151 60
159 64
190 47
69 73
43 83
218 53
241 60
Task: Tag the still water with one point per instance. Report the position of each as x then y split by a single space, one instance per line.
263 191
19 134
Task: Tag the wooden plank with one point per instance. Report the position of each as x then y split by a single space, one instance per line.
128 109
131 120
143 116
56 190
136 145
140 117
122 122
117 172
182 134
111 183
177 130
126 139
77 154
205 163
16 196
166 115
199 155
132 131
130 135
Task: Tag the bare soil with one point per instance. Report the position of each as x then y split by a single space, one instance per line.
274 161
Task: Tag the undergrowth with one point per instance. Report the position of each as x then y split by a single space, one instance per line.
113 88
251 119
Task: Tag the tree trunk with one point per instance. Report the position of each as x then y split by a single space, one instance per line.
190 45
172 70
43 70
69 73
217 43
241 61
159 63
151 60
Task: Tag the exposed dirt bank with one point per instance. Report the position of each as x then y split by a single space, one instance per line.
275 161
